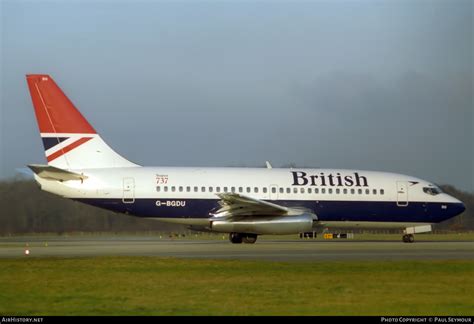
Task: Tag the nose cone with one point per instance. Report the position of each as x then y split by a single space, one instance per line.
452 206
456 206
459 208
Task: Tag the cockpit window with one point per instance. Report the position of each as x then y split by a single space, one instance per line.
432 190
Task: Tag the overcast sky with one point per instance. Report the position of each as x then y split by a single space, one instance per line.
373 85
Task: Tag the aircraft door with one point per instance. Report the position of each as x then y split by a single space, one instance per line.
402 193
128 191
273 192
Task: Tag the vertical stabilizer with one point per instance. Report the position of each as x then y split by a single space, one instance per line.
69 141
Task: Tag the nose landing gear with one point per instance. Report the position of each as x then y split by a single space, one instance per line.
408 238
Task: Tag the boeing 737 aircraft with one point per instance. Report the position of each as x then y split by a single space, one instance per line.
244 202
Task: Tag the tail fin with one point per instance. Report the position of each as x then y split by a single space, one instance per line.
69 140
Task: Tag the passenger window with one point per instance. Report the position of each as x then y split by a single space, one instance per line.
218 189
180 188
367 191
210 189
310 190
323 190
295 190
360 191
316 190
264 189
330 190
374 191
188 189
195 189
345 191
302 190
353 191
166 189
282 190
288 190
203 189
225 189
382 191
255 189
158 188
241 189
338 191
249 189
274 190
173 188
232 189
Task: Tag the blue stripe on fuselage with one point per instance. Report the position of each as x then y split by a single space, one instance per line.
360 211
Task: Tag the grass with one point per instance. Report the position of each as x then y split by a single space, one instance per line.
161 286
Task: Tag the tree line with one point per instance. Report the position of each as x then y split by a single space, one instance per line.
24 208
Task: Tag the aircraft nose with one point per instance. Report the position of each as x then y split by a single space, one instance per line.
454 206
461 208
457 208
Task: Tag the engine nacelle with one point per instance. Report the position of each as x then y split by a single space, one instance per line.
265 224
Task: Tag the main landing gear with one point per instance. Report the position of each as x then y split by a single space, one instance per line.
237 238
408 238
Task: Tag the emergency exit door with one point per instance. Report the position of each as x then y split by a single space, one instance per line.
402 193
128 191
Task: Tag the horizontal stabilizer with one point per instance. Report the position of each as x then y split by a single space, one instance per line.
52 173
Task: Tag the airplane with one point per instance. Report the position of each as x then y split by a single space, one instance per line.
243 202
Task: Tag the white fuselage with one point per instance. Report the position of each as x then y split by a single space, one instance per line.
188 195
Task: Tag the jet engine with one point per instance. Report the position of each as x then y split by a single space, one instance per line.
264 224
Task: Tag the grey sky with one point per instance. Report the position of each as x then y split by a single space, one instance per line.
376 85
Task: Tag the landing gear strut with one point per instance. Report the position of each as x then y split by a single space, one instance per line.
237 238
408 238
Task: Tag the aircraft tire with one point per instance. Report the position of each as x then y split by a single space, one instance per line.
250 238
235 238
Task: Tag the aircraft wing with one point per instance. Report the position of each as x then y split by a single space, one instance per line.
234 204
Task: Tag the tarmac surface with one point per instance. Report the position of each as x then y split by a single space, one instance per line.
274 250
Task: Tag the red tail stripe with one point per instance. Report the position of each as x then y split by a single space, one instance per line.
68 148
54 111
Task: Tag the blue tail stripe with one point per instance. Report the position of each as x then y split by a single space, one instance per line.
49 142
